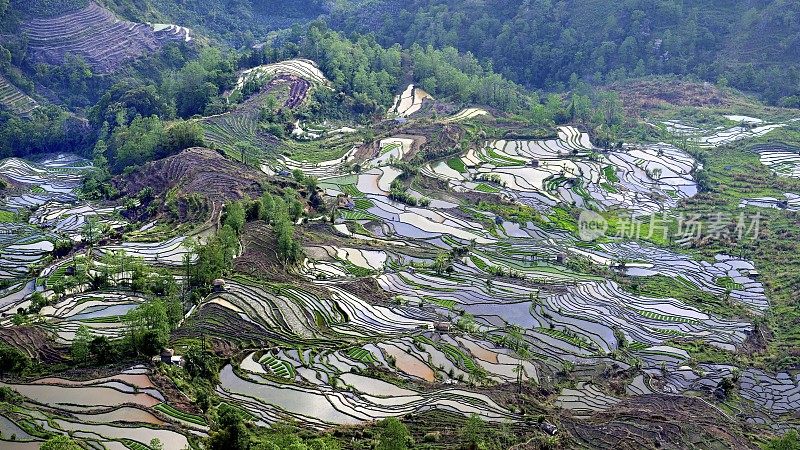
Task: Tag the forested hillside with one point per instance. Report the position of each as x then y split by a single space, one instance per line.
750 44
542 43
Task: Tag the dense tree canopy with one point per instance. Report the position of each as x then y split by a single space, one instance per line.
541 43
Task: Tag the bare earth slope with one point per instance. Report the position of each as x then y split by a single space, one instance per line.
195 170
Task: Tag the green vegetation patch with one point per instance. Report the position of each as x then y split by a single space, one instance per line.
356 215
664 317
728 283
363 203
680 288
134 445
278 368
444 303
460 358
483 187
457 164
180 415
351 190
608 187
360 354
7 217
504 160
610 172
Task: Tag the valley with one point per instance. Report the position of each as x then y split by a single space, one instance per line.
319 244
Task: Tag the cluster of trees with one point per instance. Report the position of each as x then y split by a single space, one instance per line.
73 78
147 329
215 258
371 74
177 82
45 7
542 43
282 213
447 73
120 270
143 140
13 360
129 98
311 185
197 87
399 193
274 119
149 324
50 129
789 441
131 114
539 44
360 67
230 431
133 119
239 23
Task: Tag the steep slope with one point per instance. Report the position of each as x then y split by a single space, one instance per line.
14 99
195 170
96 35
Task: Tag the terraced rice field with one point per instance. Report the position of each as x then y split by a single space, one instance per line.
585 399
410 101
574 324
782 159
323 168
21 248
790 202
69 219
748 128
466 114
100 312
407 309
222 130
123 410
334 262
561 316
643 178
167 253
52 181
14 99
320 406
169 31
53 178
301 68
395 148
96 35
120 411
240 134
